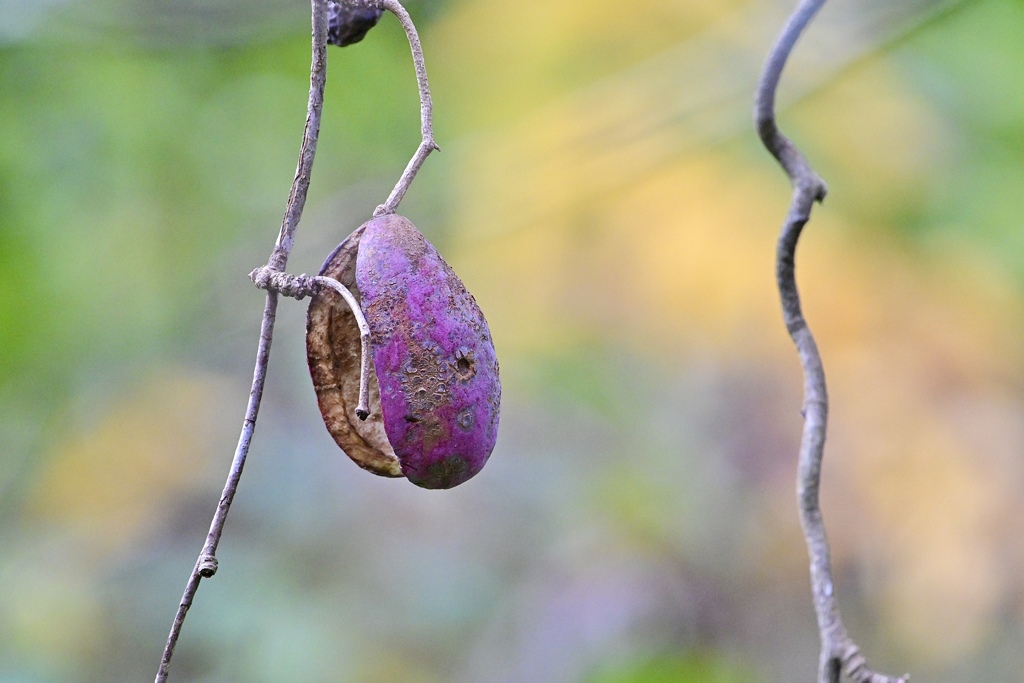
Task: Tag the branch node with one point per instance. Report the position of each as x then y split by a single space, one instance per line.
261 277
207 566
297 287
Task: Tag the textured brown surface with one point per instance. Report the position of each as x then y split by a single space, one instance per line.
333 353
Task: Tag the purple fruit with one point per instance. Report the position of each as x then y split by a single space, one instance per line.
434 389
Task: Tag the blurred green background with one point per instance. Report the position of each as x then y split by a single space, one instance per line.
602 193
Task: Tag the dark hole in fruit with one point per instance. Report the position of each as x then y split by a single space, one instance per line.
411 418
464 366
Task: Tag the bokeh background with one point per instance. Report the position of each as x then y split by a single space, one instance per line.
602 193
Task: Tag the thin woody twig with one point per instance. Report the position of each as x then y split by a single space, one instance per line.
427 145
363 407
206 564
839 654
307 151
301 286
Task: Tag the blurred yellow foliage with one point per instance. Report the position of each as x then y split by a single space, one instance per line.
109 483
575 228
610 209
525 53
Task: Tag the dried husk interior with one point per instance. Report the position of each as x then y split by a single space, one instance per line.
333 352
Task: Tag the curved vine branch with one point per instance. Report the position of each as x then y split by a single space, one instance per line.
206 565
839 654
427 145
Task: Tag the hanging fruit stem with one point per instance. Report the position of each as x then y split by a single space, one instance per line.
427 145
363 408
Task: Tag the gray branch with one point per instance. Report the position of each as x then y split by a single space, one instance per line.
206 565
839 654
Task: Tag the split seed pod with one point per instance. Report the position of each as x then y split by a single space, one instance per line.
434 392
